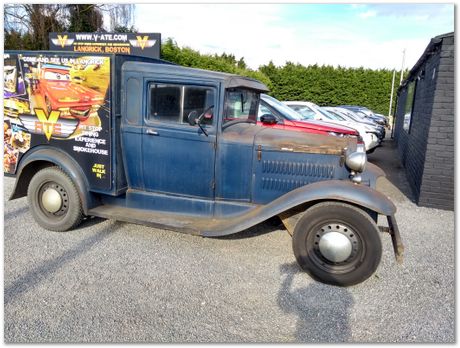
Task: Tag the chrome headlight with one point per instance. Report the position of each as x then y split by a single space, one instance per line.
356 161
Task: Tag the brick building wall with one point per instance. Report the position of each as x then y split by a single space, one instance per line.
426 149
437 189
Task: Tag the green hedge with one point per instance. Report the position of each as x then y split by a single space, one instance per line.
323 85
326 85
186 56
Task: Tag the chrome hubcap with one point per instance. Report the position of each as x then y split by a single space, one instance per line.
51 200
335 247
336 242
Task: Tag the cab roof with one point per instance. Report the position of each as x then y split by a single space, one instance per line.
229 80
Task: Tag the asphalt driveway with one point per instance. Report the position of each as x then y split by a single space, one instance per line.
117 282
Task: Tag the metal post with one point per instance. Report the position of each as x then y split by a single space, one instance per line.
392 90
402 66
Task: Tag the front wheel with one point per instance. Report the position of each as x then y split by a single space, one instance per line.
337 243
54 200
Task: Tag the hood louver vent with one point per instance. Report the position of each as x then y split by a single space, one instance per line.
286 176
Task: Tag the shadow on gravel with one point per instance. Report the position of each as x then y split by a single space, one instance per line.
15 213
89 221
387 158
35 276
322 310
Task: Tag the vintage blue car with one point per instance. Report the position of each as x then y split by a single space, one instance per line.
179 148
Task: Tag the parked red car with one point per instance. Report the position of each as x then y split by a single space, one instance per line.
273 113
60 93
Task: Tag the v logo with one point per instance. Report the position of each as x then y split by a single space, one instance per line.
47 122
142 40
62 40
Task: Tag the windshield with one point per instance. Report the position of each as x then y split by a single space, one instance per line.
240 104
326 113
351 115
285 110
305 111
361 114
335 116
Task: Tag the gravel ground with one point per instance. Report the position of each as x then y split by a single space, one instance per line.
117 282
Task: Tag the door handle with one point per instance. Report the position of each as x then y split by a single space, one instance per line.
152 132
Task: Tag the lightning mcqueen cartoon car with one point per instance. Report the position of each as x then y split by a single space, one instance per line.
60 93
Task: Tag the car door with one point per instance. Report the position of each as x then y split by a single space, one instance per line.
179 158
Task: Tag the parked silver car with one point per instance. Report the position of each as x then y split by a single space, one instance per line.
312 111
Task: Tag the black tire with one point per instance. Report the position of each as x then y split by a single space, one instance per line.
344 219
70 213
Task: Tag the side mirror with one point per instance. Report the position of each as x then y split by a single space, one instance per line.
192 117
268 119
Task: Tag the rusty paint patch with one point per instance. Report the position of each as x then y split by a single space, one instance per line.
282 140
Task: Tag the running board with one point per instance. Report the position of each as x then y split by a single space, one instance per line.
164 220
192 224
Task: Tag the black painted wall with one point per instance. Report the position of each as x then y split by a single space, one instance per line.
427 149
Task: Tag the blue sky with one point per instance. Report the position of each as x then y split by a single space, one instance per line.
370 35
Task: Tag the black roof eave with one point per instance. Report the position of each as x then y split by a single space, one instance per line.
432 45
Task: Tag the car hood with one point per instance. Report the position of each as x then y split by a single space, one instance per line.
321 126
359 127
283 140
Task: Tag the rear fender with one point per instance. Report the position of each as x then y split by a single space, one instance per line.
45 156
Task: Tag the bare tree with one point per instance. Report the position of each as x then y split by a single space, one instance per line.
37 20
26 26
84 18
121 15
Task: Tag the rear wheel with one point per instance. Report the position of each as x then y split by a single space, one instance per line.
337 244
54 200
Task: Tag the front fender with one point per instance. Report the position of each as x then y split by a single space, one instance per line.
43 156
336 190
371 174
331 190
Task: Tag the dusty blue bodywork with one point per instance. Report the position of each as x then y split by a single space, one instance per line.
212 181
176 168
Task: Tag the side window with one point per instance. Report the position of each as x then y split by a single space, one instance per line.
240 105
199 99
133 109
173 103
165 103
408 106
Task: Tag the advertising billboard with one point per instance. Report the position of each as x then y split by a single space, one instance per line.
136 44
60 100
